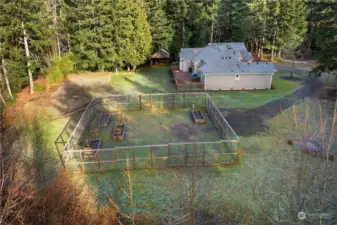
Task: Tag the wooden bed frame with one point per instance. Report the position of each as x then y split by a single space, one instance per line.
104 123
92 144
198 117
118 132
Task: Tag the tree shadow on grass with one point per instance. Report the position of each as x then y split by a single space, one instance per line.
142 88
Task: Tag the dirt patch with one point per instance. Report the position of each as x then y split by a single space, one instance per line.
327 93
183 131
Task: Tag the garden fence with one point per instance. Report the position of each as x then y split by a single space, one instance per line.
224 151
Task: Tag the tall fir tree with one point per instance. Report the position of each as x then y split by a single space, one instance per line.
82 24
292 25
132 36
161 30
176 12
25 38
323 20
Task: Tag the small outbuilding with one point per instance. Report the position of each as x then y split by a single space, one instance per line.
161 56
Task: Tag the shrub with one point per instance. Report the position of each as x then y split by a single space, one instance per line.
59 67
273 86
38 87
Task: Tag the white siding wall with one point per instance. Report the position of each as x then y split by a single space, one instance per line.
186 65
228 82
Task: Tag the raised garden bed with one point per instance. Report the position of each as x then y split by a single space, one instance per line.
92 144
118 132
198 117
104 119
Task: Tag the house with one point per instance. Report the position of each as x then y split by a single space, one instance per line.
226 66
161 56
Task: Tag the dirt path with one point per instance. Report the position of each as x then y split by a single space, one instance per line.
247 122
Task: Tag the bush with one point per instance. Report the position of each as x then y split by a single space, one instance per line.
59 67
273 86
38 87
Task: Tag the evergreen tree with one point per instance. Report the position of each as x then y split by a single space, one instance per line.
292 25
82 23
132 36
161 30
24 31
176 12
232 20
323 19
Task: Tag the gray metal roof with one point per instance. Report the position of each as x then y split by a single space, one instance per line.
229 46
189 53
226 59
230 67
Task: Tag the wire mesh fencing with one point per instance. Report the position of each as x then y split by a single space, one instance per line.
222 152
152 156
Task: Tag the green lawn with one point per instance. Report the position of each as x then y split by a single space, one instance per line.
158 127
159 191
158 79
147 80
252 99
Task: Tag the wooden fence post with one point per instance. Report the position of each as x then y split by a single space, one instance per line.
172 101
186 154
116 157
134 159
98 161
184 100
82 166
239 152
151 157
168 155
203 156
140 102
161 102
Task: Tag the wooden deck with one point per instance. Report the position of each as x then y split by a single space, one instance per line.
183 77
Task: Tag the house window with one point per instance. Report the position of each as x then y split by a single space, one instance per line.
237 77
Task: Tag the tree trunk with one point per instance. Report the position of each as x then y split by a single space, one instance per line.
212 30
273 46
2 99
30 74
134 68
55 21
116 69
68 41
183 33
291 74
6 76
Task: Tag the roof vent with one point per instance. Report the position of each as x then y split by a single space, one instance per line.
222 57
230 57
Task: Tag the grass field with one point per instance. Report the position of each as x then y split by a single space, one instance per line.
251 99
158 80
254 184
144 128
